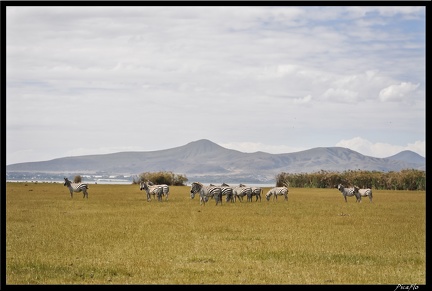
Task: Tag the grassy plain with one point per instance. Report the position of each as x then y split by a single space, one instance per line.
117 237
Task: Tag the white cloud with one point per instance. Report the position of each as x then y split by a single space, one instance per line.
398 92
303 100
379 149
340 94
235 73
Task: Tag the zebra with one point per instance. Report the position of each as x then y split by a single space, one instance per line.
239 192
206 192
367 192
349 192
154 190
277 191
228 192
76 187
165 188
256 191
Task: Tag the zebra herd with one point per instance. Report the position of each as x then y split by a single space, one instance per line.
232 194
355 191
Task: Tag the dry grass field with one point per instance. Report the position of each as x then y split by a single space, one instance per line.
117 237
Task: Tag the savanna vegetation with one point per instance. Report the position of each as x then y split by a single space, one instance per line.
409 179
117 237
161 177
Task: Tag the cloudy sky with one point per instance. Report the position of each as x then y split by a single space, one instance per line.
97 80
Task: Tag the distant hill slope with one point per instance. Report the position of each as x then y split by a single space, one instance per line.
206 160
409 157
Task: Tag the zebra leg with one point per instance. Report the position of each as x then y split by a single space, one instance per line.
219 199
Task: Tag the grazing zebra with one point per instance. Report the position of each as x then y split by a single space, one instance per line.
206 192
256 191
365 192
154 190
76 187
239 192
226 191
349 192
277 191
165 188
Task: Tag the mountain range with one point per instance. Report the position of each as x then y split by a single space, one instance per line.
206 161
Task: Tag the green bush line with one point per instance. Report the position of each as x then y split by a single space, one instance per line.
409 179
162 177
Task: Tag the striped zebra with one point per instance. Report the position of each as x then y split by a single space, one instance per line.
349 192
165 188
239 192
227 191
277 191
367 192
206 192
76 187
154 190
256 191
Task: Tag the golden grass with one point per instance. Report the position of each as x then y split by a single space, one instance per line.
117 237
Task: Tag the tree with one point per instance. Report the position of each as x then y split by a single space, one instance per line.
77 179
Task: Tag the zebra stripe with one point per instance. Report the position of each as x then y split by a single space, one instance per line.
206 192
76 187
277 191
239 192
154 190
367 192
256 191
349 192
228 192
165 188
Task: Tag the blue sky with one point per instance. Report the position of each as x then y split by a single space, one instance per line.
97 80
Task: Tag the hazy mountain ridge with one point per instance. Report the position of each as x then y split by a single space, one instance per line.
204 159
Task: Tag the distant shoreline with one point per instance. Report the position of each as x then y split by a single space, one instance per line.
101 181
